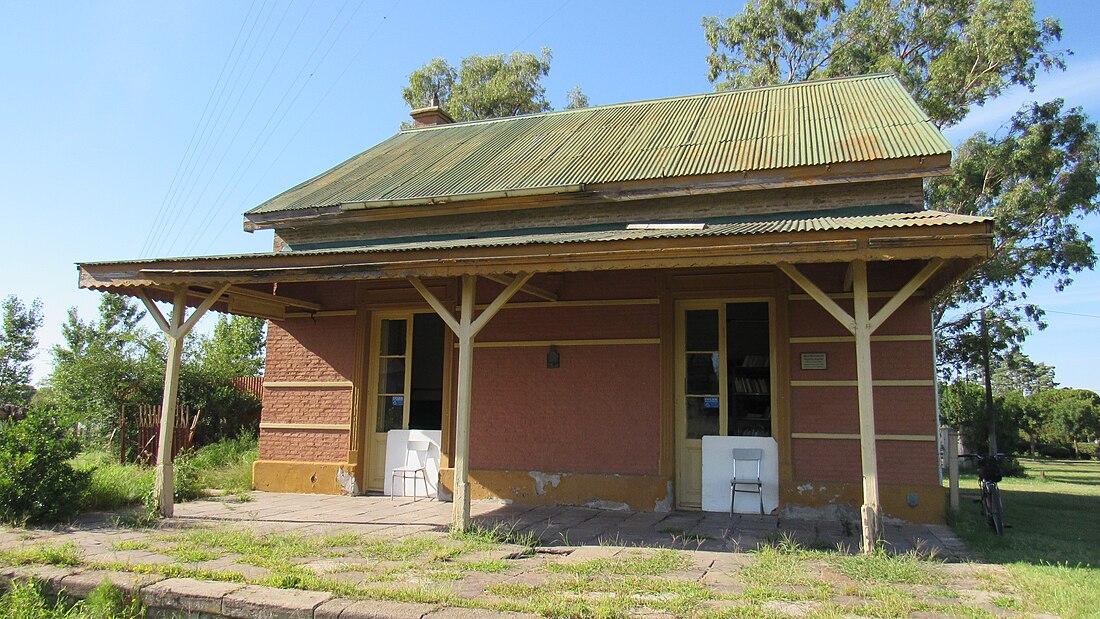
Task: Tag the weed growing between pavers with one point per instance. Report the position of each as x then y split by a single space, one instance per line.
634 564
497 534
65 554
781 580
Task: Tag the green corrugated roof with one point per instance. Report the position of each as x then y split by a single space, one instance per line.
851 119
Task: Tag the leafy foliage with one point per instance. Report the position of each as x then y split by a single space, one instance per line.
106 363
1036 178
491 86
950 54
577 99
18 341
113 361
1036 181
37 481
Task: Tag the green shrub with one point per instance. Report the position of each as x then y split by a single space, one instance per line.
37 481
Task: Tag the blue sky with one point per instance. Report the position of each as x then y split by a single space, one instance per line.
102 100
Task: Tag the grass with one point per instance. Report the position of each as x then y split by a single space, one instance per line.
225 466
113 485
1052 544
27 600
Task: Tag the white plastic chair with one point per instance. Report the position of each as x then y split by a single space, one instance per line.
752 480
414 470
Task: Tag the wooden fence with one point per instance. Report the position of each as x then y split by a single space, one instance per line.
139 431
250 384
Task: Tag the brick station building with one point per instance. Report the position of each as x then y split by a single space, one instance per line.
583 302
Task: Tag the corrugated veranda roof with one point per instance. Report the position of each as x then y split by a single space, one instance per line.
855 218
854 119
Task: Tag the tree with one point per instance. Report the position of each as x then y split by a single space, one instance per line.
18 341
1071 415
1036 180
950 54
1017 373
962 407
483 86
106 363
577 99
1037 177
236 347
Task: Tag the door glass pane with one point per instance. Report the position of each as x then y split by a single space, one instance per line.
392 337
701 330
391 375
702 416
391 412
701 374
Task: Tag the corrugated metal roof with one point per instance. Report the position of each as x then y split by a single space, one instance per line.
867 218
852 119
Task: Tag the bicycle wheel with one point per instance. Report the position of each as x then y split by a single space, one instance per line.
995 509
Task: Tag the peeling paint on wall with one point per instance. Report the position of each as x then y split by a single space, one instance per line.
664 505
347 483
541 479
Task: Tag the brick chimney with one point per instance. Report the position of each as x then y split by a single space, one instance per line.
431 115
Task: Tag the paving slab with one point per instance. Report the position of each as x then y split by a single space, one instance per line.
252 602
188 595
355 609
80 584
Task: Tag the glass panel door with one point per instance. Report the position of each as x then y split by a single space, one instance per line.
723 381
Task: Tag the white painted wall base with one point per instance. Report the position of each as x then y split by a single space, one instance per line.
396 454
718 470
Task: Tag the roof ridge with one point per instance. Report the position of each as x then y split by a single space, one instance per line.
702 95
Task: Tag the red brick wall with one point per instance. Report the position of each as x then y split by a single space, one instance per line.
312 405
304 446
908 410
598 413
304 349
308 350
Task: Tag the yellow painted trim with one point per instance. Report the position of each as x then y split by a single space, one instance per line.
542 343
299 384
855 437
853 383
579 303
305 426
885 294
835 339
299 477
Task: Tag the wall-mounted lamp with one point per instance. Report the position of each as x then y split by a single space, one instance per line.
553 359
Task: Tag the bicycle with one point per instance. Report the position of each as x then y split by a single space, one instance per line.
989 475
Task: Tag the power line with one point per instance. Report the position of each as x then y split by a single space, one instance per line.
211 147
1050 311
248 158
211 122
210 98
286 145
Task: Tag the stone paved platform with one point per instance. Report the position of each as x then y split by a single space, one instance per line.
559 525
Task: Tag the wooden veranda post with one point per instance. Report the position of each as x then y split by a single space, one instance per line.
861 324
175 330
466 329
